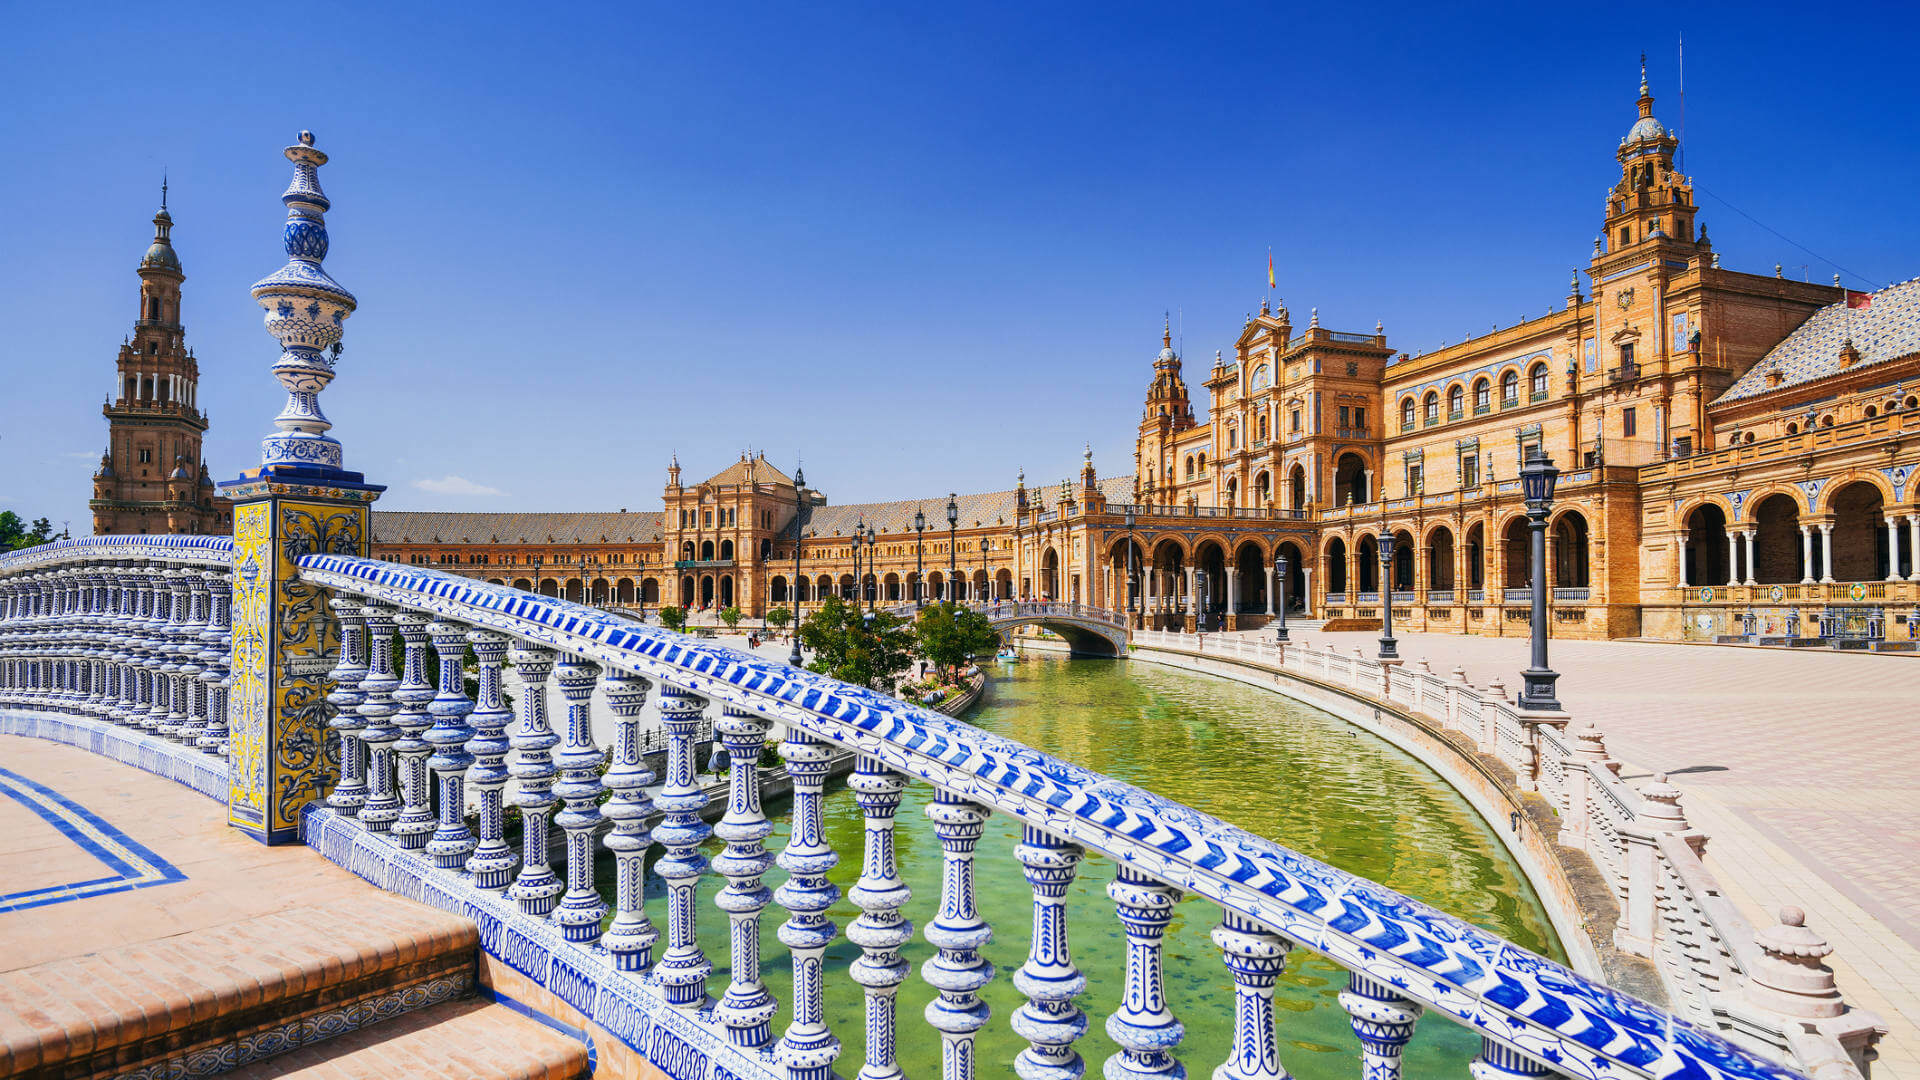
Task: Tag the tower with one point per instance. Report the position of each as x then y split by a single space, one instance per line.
151 478
1168 412
1651 201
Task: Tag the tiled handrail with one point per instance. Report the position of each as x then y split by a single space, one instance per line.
1672 908
1400 950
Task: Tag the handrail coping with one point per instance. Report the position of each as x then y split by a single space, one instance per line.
171 547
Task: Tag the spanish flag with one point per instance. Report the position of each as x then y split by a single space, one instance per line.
1270 281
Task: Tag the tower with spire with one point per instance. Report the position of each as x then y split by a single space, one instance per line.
151 478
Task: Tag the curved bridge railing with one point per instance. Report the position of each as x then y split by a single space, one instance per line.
412 757
1108 626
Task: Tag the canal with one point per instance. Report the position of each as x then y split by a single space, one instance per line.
1281 770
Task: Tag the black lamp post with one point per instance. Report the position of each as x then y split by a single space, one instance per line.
1283 568
799 506
984 545
1127 604
953 524
536 574
1537 477
871 572
919 557
1389 648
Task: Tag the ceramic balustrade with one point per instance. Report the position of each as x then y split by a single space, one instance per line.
1270 900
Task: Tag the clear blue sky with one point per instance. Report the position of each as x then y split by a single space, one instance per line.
921 245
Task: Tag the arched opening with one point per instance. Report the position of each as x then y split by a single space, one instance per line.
1476 556
686 550
726 591
1297 483
523 584
1402 577
936 586
1167 590
1262 489
1129 564
1440 559
1406 413
891 585
574 591
623 591
706 551
1482 395
1456 402
1350 480
1366 567
649 591
1233 491
777 589
1537 383
1510 389
549 587
978 592
1250 565
726 550
1777 548
1296 575
1859 533
1706 545
1570 551
1334 566
1049 574
848 590
600 591
822 587
686 592
1430 408
1517 554
706 591
1003 584
1210 578
800 590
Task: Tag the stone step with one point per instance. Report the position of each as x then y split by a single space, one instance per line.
233 993
455 1040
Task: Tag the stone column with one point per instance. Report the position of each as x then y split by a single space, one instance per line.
1826 552
1233 596
1306 591
1733 558
1193 610
1913 546
1749 536
1893 548
1273 585
1680 557
1806 554
300 499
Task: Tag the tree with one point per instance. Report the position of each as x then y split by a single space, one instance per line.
949 634
779 617
673 618
869 650
15 534
730 616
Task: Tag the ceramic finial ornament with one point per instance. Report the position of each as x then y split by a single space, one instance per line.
305 309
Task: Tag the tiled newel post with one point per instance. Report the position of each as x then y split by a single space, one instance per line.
300 500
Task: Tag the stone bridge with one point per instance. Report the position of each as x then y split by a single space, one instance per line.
1088 630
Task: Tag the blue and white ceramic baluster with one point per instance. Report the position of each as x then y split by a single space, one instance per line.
581 909
957 971
87 679
104 683
808 1048
416 821
1383 1019
174 724
448 736
350 793
1144 1028
492 861
631 937
159 687
1497 1061
1050 1020
191 666
126 679
1256 956
537 888
216 652
746 1009
880 931
683 968
383 797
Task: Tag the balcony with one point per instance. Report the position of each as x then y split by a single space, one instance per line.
1537 397
701 564
1580 595
1439 596
1482 408
1623 373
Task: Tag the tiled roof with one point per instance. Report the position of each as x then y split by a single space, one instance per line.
983 510
1887 329
432 527
763 473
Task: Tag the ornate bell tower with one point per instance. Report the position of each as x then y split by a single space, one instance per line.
1168 412
151 479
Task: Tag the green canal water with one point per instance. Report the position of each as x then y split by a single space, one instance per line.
1284 771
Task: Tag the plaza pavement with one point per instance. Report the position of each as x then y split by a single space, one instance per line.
1799 766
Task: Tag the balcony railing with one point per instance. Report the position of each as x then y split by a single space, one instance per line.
1517 596
1404 596
1439 596
1571 593
696 564
1476 596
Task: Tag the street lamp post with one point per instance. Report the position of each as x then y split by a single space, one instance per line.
859 582
919 557
799 506
953 525
1389 648
1537 478
1127 601
984 545
871 572
1282 567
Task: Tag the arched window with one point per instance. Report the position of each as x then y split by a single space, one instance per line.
1537 381
1189 468
1482 395
1827 420
1430 408
1793 429
1872 412
1203 464
1510 389
153 309
1233 437
1456 403
1406 413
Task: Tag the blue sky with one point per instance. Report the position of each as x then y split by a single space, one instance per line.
921 246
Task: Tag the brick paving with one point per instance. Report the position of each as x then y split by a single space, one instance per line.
1796 764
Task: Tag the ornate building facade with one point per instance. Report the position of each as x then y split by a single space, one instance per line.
151 478
1736 451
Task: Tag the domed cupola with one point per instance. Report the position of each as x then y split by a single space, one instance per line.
105 471
1646 128
161 255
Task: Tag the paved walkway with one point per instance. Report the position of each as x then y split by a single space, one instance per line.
1799 766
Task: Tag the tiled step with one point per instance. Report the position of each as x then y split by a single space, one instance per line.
232 993
469 1039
